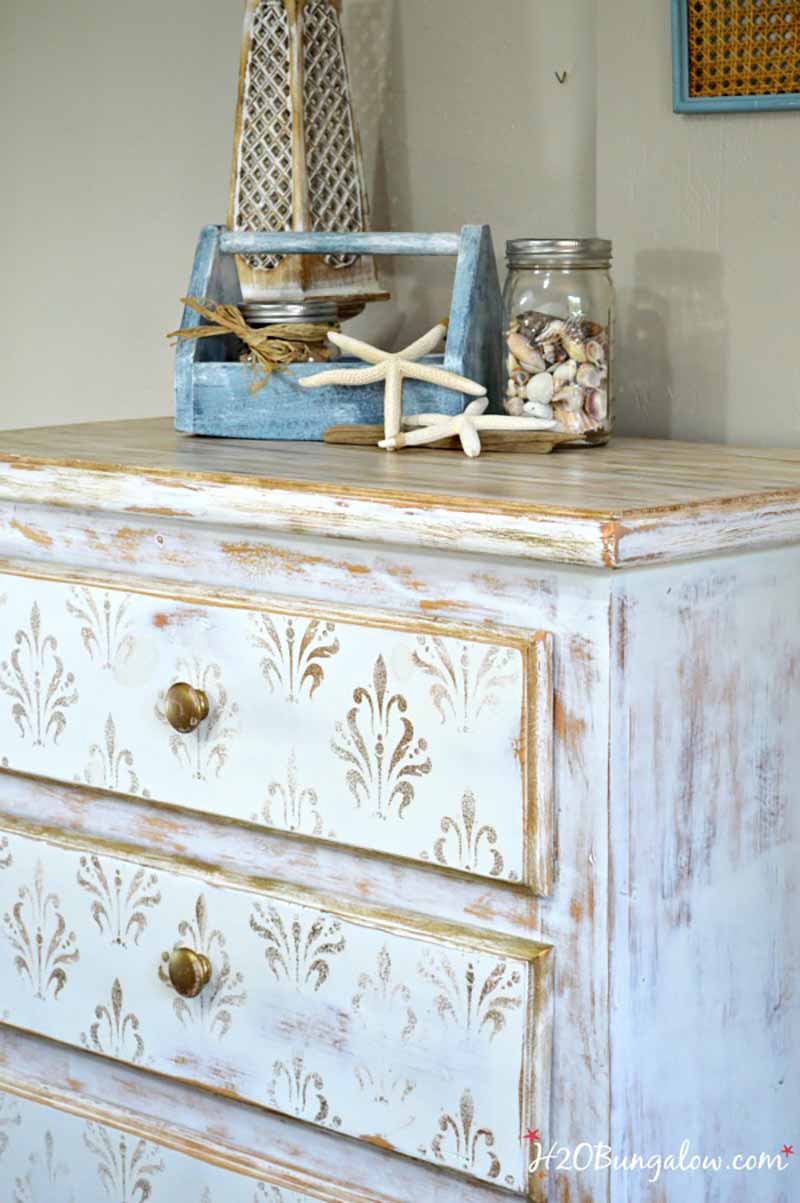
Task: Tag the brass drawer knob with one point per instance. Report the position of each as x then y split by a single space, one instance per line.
186 707
189 972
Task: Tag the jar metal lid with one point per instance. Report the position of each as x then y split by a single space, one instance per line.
265 313
559 252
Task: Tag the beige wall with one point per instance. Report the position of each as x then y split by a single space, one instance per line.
703 211
116 142
115 150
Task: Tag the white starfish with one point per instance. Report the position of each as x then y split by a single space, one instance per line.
430 428
394 369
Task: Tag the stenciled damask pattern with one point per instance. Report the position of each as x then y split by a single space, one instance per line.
111 767
473 1001
44 949
467 844
466 684
10 1118
40 688
294 653
291 806
106 631
298 1091
205 751
376 741
47 1179
120 900
298 951
126 1166
383 993
462 1143
115 1031
6 856
214 1008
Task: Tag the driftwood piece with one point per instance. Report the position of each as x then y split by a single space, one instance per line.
536 442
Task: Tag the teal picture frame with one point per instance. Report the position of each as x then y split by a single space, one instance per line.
682 102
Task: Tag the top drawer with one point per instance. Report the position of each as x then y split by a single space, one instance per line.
418 739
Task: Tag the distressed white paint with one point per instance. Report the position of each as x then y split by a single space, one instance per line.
397 1037
48 1156
399 737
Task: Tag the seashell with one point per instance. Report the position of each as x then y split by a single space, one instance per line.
595 352
571 397
570 421
514 406
590 329
553 353
520 380
526 355
540 388
588 376
538 410
552 331
564 373
597 404
574 346
511 363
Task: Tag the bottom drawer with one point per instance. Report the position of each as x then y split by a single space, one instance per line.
427 1039
49 1156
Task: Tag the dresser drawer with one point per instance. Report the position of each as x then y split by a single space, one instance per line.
421 1037
50 1155
396 735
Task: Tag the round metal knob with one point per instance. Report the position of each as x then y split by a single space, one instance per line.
186 707
189 972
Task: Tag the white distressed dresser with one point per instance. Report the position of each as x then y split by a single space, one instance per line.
361 813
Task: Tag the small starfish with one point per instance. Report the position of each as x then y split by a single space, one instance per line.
394 369
430 428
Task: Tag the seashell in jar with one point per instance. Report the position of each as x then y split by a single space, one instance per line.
573 345
514 406
596 352
597 404
519 379
537 410
588 376
540 389
526 355
571 421
570 397
553 353
564 373
552 332
590 329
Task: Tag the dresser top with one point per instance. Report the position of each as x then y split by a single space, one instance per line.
634 501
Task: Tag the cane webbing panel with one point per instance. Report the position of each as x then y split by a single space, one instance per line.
743 47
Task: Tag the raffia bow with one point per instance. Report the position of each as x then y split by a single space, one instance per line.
271 348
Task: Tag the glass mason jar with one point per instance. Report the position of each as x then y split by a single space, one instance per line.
558 335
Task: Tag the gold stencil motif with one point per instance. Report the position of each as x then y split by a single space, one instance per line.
34 678
294 952
105 631
462 1145
383 759
273 1194
293 660
115 1033
205 750
125 1166
6 857
110 767
464 686
119 904
381 995
297 1092
290 807
472 1002
468 845
47 1179
213 1008
36 930
9 1118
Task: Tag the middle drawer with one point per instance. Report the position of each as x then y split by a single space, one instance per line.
421 1037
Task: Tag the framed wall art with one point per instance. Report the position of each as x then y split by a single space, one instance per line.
735 55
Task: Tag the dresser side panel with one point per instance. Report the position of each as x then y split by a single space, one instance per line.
704 887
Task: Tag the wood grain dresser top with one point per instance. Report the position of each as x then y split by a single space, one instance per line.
634 501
